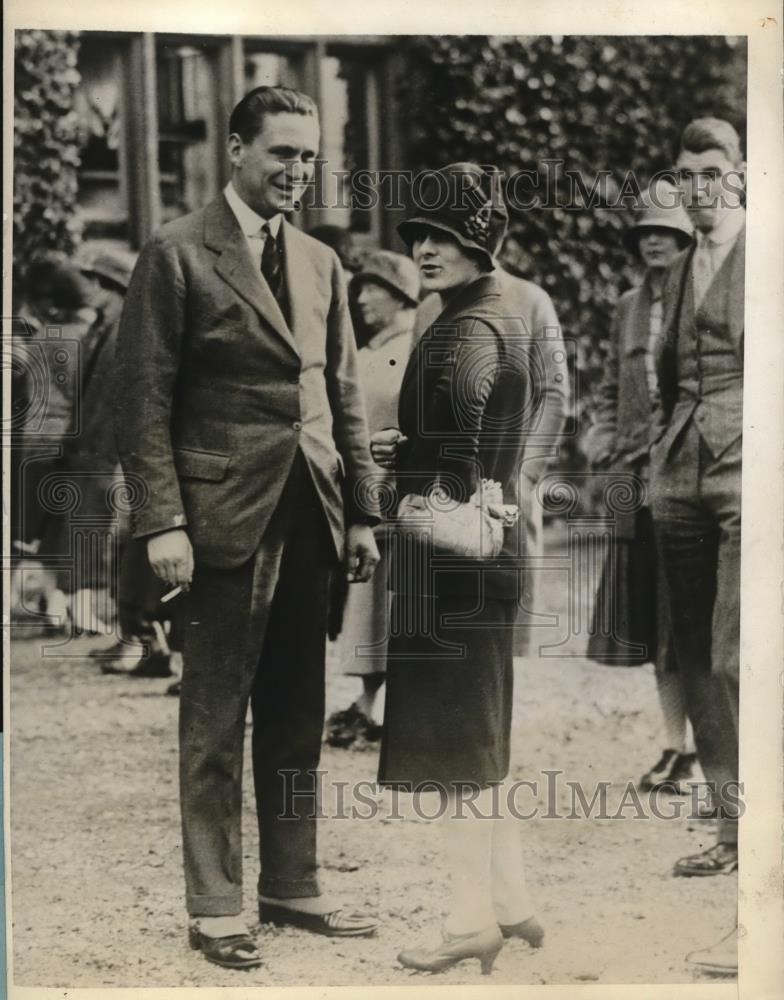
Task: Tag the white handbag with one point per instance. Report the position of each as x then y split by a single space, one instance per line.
473 529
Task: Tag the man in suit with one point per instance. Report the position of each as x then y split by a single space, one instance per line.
696 464
238 404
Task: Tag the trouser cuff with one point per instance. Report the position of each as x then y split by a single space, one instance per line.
288 888
215 906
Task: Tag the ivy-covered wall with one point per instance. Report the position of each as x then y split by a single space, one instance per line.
595 103
46 145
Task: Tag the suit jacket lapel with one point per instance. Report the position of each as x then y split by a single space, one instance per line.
737 287
296 262
235 266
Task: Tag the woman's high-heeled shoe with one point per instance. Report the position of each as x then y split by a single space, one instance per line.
529 930
483 945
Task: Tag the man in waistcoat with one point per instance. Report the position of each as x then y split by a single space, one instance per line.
696 466
239 406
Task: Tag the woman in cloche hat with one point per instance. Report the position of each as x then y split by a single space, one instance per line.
448 703
632 587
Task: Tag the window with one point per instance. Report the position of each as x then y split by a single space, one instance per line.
188 144
269 69
349 138
103 200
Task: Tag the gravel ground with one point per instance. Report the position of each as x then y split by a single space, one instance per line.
95 840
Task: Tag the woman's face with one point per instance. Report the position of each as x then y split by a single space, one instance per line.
441 262
657 246
377 305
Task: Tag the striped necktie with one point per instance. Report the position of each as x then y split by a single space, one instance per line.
271 264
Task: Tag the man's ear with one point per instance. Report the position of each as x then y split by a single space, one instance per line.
236 149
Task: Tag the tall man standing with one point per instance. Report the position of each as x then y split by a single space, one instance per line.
696 464
696 472
238 403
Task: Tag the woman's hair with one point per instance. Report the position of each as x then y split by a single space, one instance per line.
247 118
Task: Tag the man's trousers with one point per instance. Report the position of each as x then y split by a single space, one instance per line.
696 506
256 634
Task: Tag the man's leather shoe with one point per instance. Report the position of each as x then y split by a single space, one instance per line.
237 951
721 958
672 769
334 924
721 859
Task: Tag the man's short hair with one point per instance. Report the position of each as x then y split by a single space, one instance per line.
247 118
712 133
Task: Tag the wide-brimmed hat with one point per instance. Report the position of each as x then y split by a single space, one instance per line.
660 208
394 271
463 200
112 265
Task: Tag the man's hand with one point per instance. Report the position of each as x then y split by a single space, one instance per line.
362 553
384 445
171 557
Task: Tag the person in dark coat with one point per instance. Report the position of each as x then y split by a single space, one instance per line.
238 404
464 408
545 354
631 620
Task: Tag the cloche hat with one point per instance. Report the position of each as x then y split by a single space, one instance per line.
464 200
394 271
661 208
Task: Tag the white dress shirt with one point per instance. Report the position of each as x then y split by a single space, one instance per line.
251 223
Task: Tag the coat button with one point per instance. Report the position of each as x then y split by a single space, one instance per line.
297 425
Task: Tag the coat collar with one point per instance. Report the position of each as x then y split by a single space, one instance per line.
475 299
222 233
472 299
250 222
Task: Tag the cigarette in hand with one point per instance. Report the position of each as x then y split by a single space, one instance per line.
171 595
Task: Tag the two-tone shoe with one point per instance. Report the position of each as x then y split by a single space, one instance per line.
337 923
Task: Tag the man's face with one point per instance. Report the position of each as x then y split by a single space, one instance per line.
711 185
272 171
